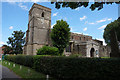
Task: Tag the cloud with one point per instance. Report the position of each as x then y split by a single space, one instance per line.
35 1
102 27
103 41
2 43
23 6
65 19
52 25
86 22
77 9
20 4
82 18
11 27
55 14
102 30
62 18
71 29
109 19
8 0
91 23
103 20
12 3
85 29
99 21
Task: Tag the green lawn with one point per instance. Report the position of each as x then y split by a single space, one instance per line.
24 72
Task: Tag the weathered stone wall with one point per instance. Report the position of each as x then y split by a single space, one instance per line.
35 47
84 47
89 46
39 27
79 49
80 37
29 49
104 51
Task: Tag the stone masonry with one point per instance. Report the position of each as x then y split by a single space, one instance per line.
39 27
38 35
86 46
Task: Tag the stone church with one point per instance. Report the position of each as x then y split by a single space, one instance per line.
38 35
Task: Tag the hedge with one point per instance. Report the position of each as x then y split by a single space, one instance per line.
21 59
77 68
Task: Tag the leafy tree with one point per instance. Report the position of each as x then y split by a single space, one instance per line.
60 35
17 41
112 36
74 5
113 25
6 49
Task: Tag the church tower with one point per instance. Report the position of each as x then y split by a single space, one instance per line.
38 31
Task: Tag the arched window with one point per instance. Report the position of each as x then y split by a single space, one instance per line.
42 14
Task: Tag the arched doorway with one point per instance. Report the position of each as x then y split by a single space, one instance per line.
92 52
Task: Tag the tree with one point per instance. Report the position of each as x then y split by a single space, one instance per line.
6 49
112 36
16 41
74 5
109 28
60 35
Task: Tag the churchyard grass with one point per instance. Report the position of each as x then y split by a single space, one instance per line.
22 71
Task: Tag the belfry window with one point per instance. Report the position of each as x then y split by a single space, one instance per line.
42 14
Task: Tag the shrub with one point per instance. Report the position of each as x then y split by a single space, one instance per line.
47 50
26 60
72 67
78 68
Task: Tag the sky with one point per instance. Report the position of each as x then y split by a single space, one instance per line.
81 20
